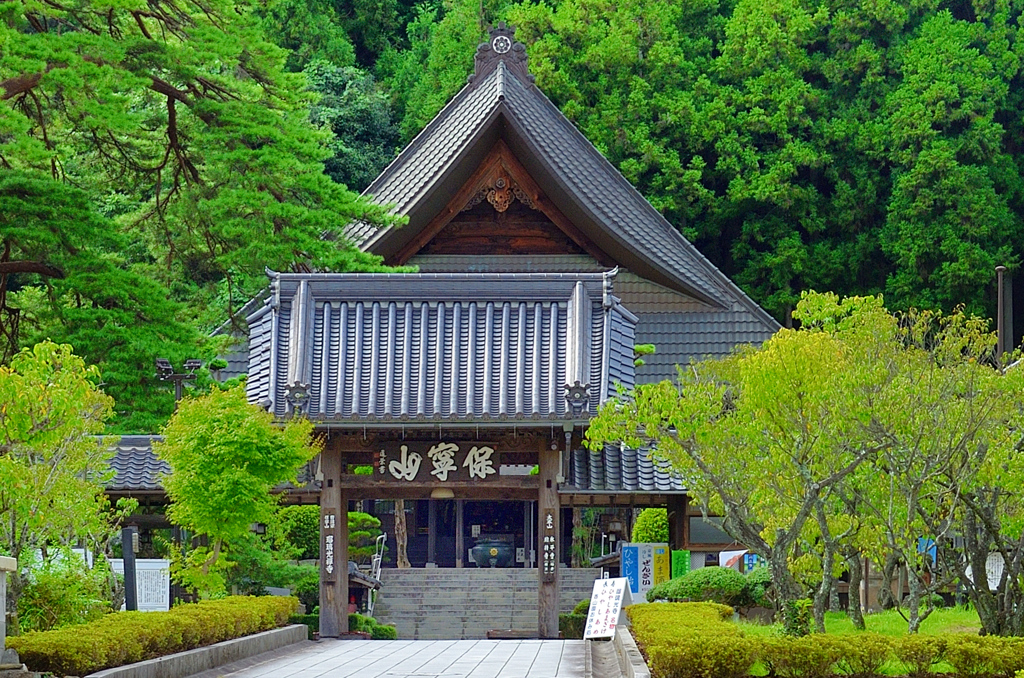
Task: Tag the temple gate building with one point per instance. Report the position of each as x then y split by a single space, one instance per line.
468 386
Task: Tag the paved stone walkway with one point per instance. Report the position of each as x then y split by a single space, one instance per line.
415 659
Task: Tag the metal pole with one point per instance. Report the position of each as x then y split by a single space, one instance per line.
1000 303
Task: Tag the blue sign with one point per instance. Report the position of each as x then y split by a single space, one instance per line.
631 566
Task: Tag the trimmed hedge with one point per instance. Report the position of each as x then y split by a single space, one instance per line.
127 637
697 640
356 622
572 625
712 584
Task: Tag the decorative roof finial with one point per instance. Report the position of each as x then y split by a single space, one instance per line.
502 46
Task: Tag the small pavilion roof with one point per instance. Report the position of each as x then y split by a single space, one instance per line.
459 348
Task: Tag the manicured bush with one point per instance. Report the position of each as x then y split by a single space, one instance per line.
691 640
128 637
582 607
863 655
572 625
312 622
759 587
976 656
804 657
384 632
721 585
651 526
918 653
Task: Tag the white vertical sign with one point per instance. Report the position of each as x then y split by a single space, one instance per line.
606 603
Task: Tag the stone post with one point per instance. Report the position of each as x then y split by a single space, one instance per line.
6 565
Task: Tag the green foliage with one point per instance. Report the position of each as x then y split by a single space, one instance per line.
128 637
52 465
384 632
804 656
691 640
63 592
759 587
918 653
358 114
311 621
796 617
259 561
300 526
308 590
226 455
360 622
572 626
640 350
582 607
651 527
707 584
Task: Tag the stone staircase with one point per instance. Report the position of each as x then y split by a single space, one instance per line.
458 603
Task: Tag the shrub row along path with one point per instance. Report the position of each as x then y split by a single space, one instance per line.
415 659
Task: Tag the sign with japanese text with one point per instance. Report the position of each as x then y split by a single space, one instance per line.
329 531
607 601
644 565
437 462
549 559
152 583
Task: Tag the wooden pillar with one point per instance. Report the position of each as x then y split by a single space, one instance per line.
333 547
460 532
432 531
548 543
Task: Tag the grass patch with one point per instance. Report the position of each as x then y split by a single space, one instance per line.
888 623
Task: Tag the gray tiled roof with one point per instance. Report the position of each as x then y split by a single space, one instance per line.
469 348
634 230
620 469
680 337
136 467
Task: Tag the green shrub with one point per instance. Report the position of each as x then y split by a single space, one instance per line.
863 655
63 592
572 625
128 637
708 584
582 607
308 590
918 653
759 587
691 640
651 527
312 622
976 656
384 632
804 657
358 622
796 617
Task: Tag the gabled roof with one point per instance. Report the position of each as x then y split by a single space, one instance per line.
502 103
453 347
136 468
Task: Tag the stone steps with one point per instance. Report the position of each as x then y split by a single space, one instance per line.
457 603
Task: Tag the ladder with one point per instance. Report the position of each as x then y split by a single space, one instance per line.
375 565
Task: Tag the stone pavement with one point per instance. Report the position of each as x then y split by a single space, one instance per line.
415 659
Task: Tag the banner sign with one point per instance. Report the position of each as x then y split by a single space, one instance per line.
607 601
644 565
437 462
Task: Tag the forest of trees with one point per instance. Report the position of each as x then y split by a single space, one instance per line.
156 156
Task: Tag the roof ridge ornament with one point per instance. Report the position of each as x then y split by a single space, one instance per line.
501 47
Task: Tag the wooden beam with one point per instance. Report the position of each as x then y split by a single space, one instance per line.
548 542
333 547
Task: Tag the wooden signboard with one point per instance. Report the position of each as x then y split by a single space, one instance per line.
437 462
607 601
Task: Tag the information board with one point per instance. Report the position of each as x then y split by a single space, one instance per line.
607 601
152 583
